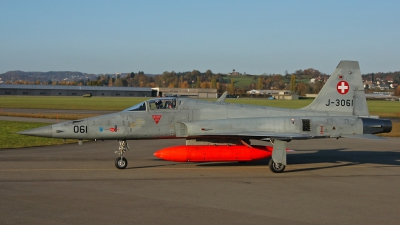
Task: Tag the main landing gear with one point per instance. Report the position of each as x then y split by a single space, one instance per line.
121 162
276 167
277 163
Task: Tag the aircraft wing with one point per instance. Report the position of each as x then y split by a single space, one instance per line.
265 136
279 136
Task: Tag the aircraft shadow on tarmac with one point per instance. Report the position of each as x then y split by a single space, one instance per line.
143 167
340 156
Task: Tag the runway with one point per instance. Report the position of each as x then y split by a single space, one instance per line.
345 181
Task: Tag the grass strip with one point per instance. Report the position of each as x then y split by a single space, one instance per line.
10 139
68 103
49 115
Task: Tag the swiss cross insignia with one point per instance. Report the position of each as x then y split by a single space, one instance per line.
343 87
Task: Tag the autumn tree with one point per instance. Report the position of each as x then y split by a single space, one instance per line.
293 83
301 88
260 83
317 86
205 84
198 82
195 73
118 82
231 87
277 82
185 84
397 91
213 83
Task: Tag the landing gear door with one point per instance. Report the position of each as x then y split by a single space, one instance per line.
181 130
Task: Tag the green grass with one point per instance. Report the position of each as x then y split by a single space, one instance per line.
384 108
242 81
62 116
10 139
72 103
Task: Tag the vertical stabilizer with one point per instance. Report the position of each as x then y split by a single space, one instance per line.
343 92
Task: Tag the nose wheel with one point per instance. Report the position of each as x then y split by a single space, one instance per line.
121 161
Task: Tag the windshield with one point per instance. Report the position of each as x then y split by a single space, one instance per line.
138 107
152 104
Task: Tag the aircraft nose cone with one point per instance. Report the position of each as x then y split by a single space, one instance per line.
46 131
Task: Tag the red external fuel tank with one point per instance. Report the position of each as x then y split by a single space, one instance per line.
214 153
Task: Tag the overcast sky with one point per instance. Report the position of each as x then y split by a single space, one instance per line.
255 37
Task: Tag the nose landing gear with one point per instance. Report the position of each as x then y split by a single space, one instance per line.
121 162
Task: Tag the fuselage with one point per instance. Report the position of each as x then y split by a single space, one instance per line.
191 118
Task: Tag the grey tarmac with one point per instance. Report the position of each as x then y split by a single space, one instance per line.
327 181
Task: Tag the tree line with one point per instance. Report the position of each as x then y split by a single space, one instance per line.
298 82
221 82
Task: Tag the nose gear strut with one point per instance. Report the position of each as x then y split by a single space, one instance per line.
121 162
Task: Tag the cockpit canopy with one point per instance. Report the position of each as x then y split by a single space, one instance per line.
152 104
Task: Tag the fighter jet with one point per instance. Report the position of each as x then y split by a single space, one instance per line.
219 131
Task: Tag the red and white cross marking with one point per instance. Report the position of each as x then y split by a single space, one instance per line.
343 87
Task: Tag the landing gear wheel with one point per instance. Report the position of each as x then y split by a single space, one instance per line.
121 163
276 167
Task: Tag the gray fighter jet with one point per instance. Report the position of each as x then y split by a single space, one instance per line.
339 110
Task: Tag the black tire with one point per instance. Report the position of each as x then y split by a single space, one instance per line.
121 163
276 167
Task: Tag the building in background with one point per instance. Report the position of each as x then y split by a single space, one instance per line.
59 90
